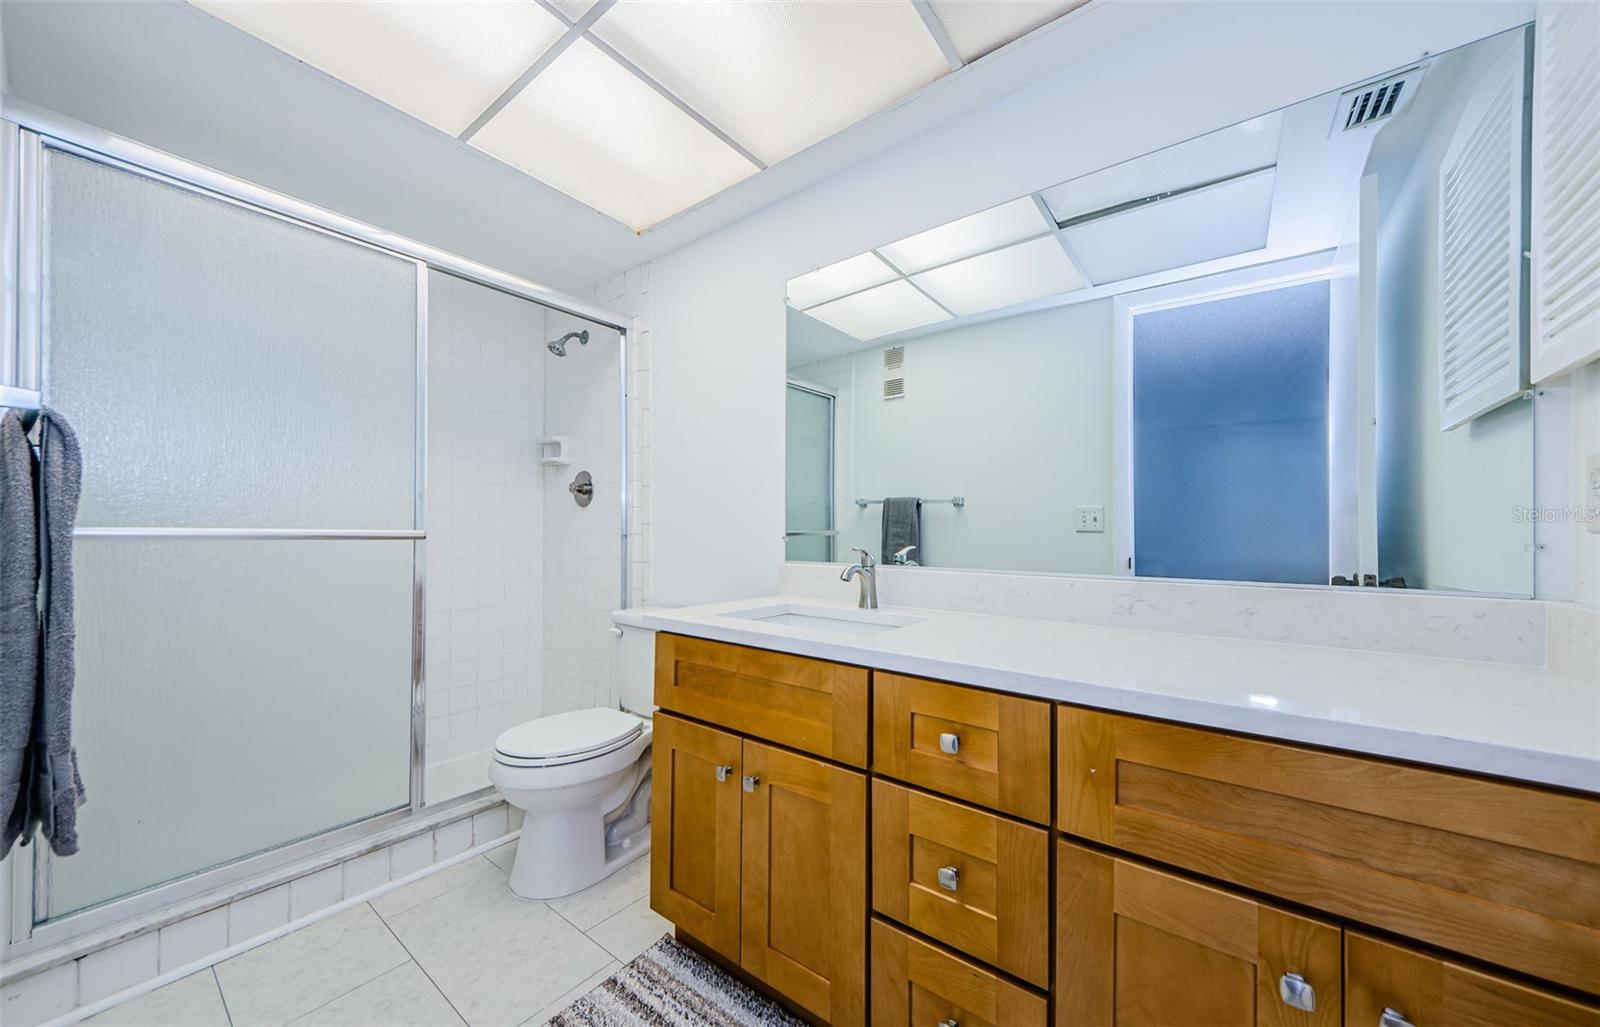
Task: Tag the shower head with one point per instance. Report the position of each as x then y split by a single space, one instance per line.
559 346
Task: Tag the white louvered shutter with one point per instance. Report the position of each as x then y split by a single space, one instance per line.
1566 187
1481 352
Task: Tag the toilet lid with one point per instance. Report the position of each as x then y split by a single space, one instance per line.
575 733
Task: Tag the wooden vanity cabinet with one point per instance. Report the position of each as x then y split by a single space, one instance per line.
915 984
1140 947
761 855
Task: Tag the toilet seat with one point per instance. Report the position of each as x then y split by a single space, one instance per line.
565 738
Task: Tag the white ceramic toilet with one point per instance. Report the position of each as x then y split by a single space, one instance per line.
582 780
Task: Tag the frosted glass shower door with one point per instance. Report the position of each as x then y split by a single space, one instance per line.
808 470
245 389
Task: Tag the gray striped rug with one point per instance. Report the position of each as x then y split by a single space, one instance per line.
671 985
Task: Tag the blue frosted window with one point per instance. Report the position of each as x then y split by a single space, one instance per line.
1230 438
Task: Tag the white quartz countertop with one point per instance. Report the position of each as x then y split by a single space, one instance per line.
1512 721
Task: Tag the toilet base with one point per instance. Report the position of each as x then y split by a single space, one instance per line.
564 851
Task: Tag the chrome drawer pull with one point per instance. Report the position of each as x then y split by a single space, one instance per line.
949 742
1297 993
1393 1018
724 770
949 878
750 782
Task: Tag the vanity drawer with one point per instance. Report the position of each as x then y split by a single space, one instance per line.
983 747
1506 873
975 881
811 705
915 984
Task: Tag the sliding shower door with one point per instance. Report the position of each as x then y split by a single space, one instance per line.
245 390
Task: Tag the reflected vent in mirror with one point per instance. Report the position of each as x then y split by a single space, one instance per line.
894 375
1377 101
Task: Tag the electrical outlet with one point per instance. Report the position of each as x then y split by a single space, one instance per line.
1591 494
1089 518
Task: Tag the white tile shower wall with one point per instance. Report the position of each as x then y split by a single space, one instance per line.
485 515
582 545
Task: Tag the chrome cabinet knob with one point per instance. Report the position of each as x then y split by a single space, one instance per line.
947 1022
949 742
724 771
750 782
1393 1018
1297 992
949 878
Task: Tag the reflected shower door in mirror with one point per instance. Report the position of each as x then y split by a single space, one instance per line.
1293 350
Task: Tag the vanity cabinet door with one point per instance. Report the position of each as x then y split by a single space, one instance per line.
695 811
984 747
1138 947
915 984
1393 986
805 881
971 879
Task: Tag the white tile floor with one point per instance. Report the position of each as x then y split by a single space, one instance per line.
453 948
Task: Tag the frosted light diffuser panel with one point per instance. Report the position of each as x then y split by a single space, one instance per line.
1207 224
205 354
778 76
1229 151
592 130
891 308
976 233
978 28
849 275
1016 274
440 62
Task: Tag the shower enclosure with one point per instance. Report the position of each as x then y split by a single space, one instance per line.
308 554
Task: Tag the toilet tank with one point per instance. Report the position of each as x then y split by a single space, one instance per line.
635 665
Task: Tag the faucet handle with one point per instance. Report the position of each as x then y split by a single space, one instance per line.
903 556
866 557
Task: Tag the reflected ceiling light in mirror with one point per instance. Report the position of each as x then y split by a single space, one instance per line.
978 28
852 274
778 76
598 134
884 310
976 233
442 63
1228 151
1027 271
1219 220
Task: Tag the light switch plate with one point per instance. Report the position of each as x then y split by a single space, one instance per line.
1089 518
1591 494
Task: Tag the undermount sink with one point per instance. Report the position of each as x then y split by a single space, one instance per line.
825 618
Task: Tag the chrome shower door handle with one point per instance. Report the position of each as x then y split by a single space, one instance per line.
750 782
949 878
724 771
949 742
1393 1018
1297 993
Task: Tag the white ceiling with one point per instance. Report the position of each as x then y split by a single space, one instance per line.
640 109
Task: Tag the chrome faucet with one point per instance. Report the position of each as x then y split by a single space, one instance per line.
865 569
903 557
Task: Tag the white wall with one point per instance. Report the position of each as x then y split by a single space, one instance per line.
485 522
1448 501
718 303
1013 414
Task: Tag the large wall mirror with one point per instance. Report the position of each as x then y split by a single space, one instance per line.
1293 350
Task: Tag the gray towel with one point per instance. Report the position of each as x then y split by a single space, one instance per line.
52 788
19 614
902 526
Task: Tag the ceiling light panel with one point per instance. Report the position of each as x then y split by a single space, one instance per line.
1219 221
896 307
849 275
778 76
978 28
986 230
441 62
598 134
1227 151
1027 271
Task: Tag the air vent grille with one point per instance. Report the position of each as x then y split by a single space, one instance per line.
1376 101
894 388
894 358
